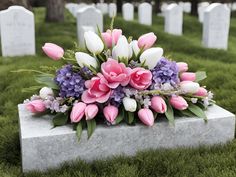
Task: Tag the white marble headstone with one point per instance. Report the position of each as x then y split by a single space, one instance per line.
201 8
112 10
187 7
88 19
216 24
145 13
128 11
17 31
174 19
103 7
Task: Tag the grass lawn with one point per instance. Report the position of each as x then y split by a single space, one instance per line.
205 161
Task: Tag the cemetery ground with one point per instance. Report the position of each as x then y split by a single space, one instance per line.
220 65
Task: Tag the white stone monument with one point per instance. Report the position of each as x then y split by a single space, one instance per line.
174 19
216 24
128 11
112 10
88 19
145 13
201 8
103 7
187 7
17 32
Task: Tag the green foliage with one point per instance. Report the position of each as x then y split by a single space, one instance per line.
91 126
79 130
59 119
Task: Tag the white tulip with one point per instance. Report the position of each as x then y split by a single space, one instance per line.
189 87
130 104
121 50
134 47
93 42
84 59
45 92
151 56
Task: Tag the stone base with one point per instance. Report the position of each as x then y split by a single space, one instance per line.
43 147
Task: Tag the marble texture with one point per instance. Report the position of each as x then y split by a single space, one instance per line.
17 32
128 11
43 147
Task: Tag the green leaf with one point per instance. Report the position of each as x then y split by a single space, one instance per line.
60 119
170 114
91 125
187 113
31 89
200 75
79 130
46 79
120 116
130 116
196 110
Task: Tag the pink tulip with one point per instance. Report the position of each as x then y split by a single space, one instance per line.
140 78
77 112
146 116
91 111
111 37
147 40
178 102
36 106
115 73
158 104
110 112
201 92
188 76
53 51
97 90
182 66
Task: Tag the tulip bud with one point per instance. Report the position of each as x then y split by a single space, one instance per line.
110 112
93 42
53 51
146 116
201 92
84 59
188 76
45 92
134 48
91 111
151 56
158 104
36 106
130 104
77 112
121 50
182 66
189 87
147 40
111 37
178 102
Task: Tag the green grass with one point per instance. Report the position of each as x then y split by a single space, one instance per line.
204 161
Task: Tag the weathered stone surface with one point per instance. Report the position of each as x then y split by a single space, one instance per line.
128 11
43 147
216 24
17 32
145 13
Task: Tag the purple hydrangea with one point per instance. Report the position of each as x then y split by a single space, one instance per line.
165 72
71 83
87 72
117 96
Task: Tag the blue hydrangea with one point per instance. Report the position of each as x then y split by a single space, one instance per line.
71 84
165 72
117 96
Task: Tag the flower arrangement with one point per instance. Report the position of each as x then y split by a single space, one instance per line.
116 80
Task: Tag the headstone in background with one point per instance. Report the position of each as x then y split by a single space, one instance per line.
103 7
216 24
201 8
145 13
128 11
187 7
88 19
112 10
17 31
174 19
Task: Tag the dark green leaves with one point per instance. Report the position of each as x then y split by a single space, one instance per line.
196 110
47 80
200 75
170 113
79 130
60 119
91 125
120 116
130 117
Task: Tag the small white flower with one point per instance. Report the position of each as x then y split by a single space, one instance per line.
194 100
45 92
130 104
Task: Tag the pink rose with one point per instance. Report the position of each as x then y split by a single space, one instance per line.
98 90
140 78
36 106
53 51
147 40
115 73
111 37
